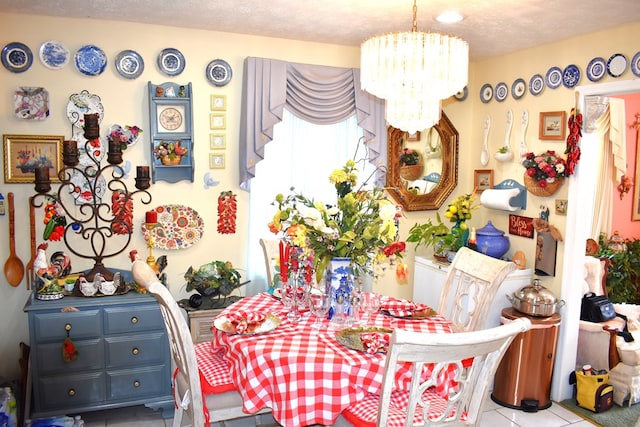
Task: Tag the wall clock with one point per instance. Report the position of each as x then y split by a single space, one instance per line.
171 122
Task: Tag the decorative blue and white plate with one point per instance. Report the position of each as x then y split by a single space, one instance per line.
554 77
171 62
219 72
486 93
91 60
129 64
536 85
596 69
462 95
17 57
501 92
617 65
54 54
518 88
570 76
635 65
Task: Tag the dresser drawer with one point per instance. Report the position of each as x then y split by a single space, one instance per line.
49 357
138 383
136 350
69 391
79 324
120 320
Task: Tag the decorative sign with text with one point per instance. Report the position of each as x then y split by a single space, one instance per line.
521 226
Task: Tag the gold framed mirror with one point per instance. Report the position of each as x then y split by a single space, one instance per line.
430 187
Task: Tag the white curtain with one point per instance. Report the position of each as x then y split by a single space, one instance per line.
302 155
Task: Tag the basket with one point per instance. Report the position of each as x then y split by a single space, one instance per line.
411 172
533 188
167 161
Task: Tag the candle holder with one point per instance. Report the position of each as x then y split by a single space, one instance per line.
150 259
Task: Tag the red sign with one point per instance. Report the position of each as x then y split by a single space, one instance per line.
521 226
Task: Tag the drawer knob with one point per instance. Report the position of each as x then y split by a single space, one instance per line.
136 383
67 326
134 320
71 392
135 351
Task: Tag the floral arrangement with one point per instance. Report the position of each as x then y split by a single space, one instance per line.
214 278
409 157
171 150
361 226
460 209
545 167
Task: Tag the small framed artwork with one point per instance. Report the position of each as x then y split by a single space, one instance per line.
218 102
552 125
216 161
482 180
218 121
561 206
23 153
217 141
412 137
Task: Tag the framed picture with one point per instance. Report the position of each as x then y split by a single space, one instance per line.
218 102
23 153
217 141
412 137
482 180
552 125
218 121
216 161
561 206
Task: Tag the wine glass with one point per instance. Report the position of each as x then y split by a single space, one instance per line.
290 300
370 303
319 304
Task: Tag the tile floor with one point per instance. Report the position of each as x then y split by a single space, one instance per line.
494 416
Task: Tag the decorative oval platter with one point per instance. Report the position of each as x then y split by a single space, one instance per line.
178 227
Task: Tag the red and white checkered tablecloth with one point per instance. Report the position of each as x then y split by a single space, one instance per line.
303 374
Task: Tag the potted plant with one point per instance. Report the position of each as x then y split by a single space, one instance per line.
410 164
437 235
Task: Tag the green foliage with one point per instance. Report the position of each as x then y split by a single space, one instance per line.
433 234
214 278
623 280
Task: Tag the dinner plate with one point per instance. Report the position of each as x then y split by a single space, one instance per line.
83 103
178 227
635 65
88 189
31 103
554 77
486 93
351 337
462 95
17 57
270 323
90 60
129 64
617 65
518 88
501 92
536 85
422 314
570 76
596 69
219 72
171 61
54 54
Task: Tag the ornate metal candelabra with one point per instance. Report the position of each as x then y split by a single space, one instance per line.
107 228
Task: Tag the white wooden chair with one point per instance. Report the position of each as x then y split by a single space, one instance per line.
271 250
187 386
472 282
476 356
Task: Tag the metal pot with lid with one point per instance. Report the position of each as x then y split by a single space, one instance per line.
535 300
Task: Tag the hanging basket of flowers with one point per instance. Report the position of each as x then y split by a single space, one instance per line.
410 165
545 173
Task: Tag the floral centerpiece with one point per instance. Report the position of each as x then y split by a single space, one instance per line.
360 226
216 278
170 152
544 172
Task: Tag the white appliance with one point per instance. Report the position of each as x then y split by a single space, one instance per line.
428 281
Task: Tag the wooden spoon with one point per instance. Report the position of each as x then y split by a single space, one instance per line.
13 267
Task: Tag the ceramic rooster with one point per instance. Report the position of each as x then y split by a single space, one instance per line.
40 262
142 272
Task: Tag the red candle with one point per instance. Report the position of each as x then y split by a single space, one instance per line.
151 217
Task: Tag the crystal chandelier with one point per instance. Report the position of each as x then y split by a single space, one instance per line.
413 71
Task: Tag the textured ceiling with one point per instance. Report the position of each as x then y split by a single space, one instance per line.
492 27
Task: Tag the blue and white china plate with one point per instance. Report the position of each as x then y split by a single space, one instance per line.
129 64
17 57
486 93
635 65
54 54
83 103
171 61
219 72
554 77
536 85
501 92
596 69
570 76
31 103
91 60
518 88
462 95
617 65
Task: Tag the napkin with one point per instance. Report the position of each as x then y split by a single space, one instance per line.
242 320
374 342
401 307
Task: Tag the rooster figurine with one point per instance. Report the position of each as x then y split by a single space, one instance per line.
40 262
157 268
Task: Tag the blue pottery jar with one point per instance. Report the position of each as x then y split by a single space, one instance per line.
492 241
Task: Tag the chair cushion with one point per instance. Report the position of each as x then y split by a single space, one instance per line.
365 412
214 370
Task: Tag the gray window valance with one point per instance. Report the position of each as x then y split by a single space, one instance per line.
315 93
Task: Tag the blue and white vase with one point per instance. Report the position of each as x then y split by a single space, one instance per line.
339 281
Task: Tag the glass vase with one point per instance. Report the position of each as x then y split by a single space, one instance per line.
461 231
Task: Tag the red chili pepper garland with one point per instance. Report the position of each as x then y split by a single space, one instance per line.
575 132
122 208
227 209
